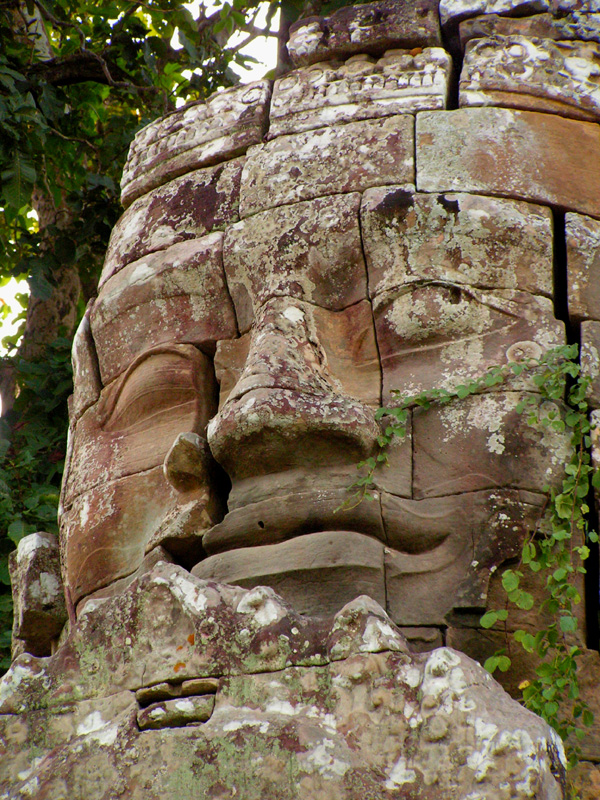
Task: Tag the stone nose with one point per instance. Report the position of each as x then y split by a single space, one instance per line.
286 410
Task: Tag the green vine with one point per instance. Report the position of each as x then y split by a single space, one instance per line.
557 550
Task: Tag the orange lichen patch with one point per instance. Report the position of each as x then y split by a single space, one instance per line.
180 648
179 665
191 639
416 50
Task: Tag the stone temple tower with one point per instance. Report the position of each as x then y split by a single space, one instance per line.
417 201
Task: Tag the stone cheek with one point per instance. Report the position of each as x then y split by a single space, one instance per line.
175 295
309 250
198 135
374 29
521 154
486 242
540 75
328 161
361 88
185 208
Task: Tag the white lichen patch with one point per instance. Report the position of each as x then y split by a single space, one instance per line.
400 775
263 605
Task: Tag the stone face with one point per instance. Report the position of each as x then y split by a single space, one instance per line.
198 135
521 154
441 334
185 208
39 602
371 28
360 88
487 242
342 564
309 250
452 11
583 267
305 706
173 295
538 75
578 25
324 162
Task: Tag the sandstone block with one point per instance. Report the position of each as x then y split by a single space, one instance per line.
185 208
439 334
521 154
317 573
165 392
488 242
361 88
310 250
87 384
198 135
443 550
331 160
583 267
38 595
453 11
579 25
422 640
541 75
590 359
173 295
371 28
484 442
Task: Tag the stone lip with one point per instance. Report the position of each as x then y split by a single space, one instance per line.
338 702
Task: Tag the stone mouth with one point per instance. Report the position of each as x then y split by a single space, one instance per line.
286 515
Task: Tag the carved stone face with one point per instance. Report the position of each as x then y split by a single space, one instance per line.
256 310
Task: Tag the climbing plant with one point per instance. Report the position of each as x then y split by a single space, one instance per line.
556 551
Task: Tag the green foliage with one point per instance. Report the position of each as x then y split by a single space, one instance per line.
557 551
32 446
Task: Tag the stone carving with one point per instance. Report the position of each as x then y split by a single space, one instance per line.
242 696
277 274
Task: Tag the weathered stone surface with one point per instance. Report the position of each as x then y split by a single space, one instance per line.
344 341
174 295
443 550
583 267
170 691
590 359
441 334
198 135
584 778
483 442
422 640
328 161
452 11
539 75
107 531
316 573
521 154
306 708
579 25
361 88
371 28
87 384
38 597
165 392
185 208
309 250
459 238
